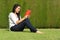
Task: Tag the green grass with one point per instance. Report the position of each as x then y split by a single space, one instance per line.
49 34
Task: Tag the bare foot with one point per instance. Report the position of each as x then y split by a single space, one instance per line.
39 32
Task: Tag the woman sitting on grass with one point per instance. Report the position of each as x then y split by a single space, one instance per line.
16 23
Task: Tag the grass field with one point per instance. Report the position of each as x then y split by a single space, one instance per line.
49 34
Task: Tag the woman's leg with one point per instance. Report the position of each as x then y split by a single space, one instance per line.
19 27
29 25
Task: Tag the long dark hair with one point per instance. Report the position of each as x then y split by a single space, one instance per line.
13 10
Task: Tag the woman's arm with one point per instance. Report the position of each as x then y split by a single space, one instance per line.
22 19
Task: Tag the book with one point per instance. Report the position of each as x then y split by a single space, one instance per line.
28 12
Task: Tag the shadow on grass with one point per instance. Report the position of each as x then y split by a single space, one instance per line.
7 29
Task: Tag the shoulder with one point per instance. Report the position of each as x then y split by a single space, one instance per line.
11 14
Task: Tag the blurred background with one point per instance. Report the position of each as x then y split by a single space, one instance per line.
45 13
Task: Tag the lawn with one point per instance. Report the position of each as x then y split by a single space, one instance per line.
49 34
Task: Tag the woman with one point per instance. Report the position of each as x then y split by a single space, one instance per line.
16 23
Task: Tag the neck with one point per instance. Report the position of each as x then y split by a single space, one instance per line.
15 12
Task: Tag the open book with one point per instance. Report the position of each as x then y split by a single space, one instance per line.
28 12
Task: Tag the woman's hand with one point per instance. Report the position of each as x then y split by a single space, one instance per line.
22 19
27 16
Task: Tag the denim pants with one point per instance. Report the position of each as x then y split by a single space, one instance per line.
21 26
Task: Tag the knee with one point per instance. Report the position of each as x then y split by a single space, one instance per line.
27 19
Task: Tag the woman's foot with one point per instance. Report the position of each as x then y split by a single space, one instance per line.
39 32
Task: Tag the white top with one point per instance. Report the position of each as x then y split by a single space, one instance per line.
12 19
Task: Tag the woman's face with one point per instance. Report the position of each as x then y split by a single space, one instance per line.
17 10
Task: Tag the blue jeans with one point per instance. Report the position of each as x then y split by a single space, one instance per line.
21 26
